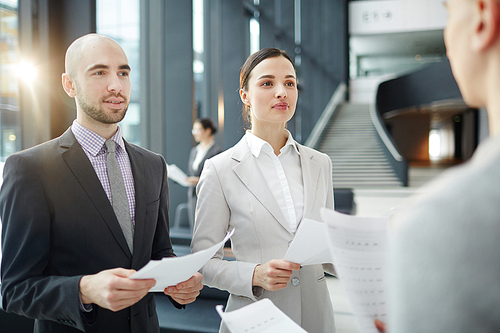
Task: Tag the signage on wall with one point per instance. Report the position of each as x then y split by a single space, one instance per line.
375 17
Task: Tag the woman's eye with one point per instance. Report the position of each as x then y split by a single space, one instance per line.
266 83
290 84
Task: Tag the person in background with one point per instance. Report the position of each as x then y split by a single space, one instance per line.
263 187
444 266
82 212
203 133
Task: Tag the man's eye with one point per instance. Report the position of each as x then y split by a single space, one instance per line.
124 74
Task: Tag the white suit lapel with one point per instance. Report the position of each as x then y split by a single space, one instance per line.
248 172
311 170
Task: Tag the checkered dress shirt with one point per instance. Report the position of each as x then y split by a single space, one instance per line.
94 148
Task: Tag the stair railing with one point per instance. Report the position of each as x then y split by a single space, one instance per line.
397 161
337 98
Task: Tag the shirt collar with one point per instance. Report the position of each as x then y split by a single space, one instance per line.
92 141
206 148
257 145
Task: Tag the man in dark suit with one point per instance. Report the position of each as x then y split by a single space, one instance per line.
67 257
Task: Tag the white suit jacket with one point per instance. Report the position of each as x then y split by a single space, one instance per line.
232 193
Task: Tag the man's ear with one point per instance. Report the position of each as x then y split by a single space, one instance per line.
68 85
486 24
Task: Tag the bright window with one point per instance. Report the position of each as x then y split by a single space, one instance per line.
119 19
10 66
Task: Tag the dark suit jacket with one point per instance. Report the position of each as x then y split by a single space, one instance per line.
59 225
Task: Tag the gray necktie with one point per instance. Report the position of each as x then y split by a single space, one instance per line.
119 194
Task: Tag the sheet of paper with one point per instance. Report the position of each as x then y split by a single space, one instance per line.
262 317
177 175
310 244
358 246
172 270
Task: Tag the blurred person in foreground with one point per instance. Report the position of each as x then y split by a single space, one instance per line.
444 267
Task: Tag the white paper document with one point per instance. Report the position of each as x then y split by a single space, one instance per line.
310 244
172 270
359 246
259 317
177 175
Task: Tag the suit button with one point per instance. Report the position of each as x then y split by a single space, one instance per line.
295 281
128 320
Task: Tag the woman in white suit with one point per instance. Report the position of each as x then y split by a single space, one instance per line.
263 187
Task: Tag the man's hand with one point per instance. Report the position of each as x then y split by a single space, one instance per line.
112 289
274 274
187 291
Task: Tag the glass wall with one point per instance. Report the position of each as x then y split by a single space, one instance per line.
119 19
254 35
198 49
10 120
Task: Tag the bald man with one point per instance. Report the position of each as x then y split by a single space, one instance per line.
66 261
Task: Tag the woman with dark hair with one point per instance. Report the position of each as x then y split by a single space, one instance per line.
203 133
263 187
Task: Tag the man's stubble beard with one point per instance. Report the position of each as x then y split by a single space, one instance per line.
98 113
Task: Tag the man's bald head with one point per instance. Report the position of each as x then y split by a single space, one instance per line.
77 50
97 77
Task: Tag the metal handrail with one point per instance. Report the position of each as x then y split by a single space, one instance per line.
328 112
383 135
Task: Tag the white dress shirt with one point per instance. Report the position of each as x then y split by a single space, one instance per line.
283 174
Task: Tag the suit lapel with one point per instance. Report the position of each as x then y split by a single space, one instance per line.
192 156
248 172
137 165
310 174
78 162
211 152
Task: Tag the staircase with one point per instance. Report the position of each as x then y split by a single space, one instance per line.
351 141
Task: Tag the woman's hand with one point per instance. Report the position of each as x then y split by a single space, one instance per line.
274 274
381 326
193 181
187 291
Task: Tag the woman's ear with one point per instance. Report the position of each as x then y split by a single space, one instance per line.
486 24
68 85
244 97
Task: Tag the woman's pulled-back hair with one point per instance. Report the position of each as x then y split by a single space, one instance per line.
207 123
